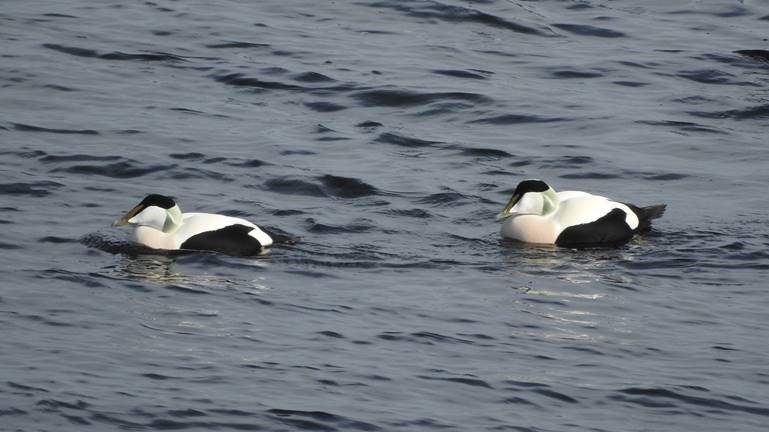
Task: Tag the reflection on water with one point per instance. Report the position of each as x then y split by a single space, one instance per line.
152 268
576 266
180 270
183 272
567 294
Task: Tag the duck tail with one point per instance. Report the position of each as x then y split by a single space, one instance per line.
279 236
647 214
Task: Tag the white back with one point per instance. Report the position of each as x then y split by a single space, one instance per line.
586 208
195 223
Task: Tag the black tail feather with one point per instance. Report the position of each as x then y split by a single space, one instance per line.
646 214
279 236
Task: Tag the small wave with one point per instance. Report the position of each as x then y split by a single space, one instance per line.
312 77
462 74
588 30
485 153
572 74
361 226
319 420
298 152
369 124
630 83
9 246
712 76
57 240
92 280
749 113
248 163
345 187
114 55
442 198
321 129
59 15
726 12
682 126
666 176
656 397
238 80
555 395
569 162
197 172
331 334
454 14
197 112
187 156
35 189
274 70
122 170
413 213
31 128
694 100
590 175
755 54
404 141
511 119
474 382
324 107
58 87
437 337
294 186
236 44
406 98
49 158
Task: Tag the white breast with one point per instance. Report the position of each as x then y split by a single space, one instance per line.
531 229
154 238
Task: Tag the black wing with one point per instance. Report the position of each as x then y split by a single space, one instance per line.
230 240
609 230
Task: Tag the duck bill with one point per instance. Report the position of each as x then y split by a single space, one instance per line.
506 212
126 219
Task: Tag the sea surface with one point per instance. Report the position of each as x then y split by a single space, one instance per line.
383 135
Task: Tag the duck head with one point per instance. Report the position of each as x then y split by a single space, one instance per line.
532 197
156 211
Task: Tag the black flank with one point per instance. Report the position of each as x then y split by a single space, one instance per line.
232 240
609 230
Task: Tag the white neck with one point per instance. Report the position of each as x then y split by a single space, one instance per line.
158 218
550 201
536 203
173 219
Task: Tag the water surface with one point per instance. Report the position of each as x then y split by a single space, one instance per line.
387 135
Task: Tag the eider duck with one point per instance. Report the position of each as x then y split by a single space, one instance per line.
538 214
160 224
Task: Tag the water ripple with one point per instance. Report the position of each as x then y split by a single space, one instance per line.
660 397
455 14
588 30
114 55
30 128
406 98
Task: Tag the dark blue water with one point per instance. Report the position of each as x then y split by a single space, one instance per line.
387 135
